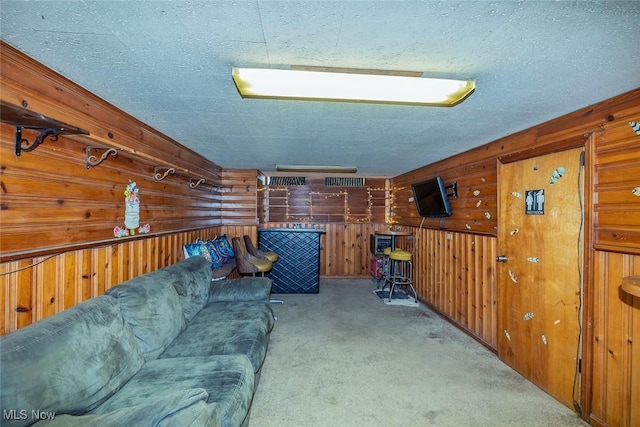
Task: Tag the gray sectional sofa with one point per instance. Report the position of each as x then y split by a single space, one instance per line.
169 348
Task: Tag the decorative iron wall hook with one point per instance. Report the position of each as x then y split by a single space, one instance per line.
159 175
22 144
95 161
193 183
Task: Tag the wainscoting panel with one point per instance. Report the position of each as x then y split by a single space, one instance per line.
455 274
616 343
34 288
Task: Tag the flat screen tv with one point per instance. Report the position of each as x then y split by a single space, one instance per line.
431 198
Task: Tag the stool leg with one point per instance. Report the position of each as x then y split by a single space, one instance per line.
401 274
385 272
394 272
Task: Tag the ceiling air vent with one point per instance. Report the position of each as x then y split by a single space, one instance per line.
343 182
286 180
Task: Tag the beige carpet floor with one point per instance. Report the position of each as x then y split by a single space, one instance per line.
344 358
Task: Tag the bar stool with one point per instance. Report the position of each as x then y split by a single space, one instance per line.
270 255
247 263
265 255
401 272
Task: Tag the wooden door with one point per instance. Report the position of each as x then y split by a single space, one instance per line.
540 234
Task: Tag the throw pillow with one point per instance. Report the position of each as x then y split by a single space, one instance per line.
204 251
220 249
192 249
216 259
225 242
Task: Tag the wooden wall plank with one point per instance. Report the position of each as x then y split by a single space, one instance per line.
475 208
315 202
617 204
614 332
455 274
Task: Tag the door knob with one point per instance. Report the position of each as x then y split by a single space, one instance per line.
501 258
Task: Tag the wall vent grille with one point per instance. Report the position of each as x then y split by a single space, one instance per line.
286 180
343 182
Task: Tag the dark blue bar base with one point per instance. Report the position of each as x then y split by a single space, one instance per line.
297 270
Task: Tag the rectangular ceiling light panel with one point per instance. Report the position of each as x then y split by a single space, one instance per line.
316 85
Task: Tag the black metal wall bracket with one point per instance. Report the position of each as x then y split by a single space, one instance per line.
22 119
23 144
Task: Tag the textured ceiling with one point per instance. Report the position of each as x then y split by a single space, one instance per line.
168 63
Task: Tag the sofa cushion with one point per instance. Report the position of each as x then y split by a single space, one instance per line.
191 279
68 363
224 312
187 408
229 381
242 289
206 336
152 308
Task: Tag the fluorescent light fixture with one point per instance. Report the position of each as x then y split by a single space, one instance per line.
345 86
316 168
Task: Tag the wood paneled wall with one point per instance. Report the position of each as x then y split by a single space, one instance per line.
611 362
51 201
455 274
57 242
315 202
617 166
616 213
239 197
475 208
616 338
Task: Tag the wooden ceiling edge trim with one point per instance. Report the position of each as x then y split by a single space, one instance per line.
549 148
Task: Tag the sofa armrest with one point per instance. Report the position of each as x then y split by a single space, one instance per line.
243 289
